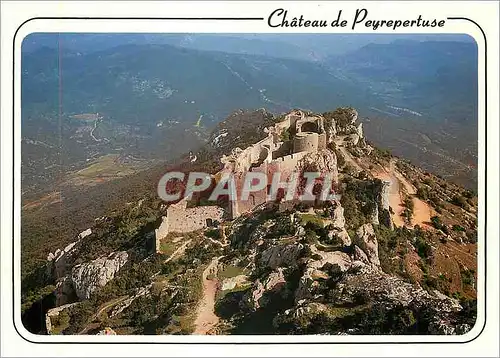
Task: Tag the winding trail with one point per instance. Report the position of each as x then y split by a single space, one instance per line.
206 319
345 153
180 250
422 212
98 313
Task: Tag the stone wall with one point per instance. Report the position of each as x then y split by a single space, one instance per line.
384 195
161 232
322 141
181 219
55 312
271 155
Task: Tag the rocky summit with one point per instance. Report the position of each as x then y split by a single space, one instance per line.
393 253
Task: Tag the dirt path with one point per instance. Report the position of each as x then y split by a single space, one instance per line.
206 319
422 212
98 313
348 158
395 200
178 252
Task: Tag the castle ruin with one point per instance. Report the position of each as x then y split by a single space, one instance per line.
284 148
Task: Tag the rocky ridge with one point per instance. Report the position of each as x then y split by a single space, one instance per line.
308 268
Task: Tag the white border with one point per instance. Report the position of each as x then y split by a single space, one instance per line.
382 10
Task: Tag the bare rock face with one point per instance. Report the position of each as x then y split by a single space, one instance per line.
58 261
341 234
338 220
275 280
232 282
107 332
336 258
323 161
374 215
354 116
335 261
330 130
367 241
90 276
353 139
359 130
305 309
258 296
359 255
307 283
251 300
384 195
281 255
376 286
55 312
369 285
84 233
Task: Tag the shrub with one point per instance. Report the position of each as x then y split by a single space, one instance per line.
469 194
409 207
285 135
468 277
459 201
424 249
458 228
422 193
213 233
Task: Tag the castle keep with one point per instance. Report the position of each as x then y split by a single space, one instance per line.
287 142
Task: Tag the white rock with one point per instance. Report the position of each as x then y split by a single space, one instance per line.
85 233
90 276
367 241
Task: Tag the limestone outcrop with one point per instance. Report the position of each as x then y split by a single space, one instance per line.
359 255
340 235
365 238
377 287
53 312
231 282
59 262
324 161
258 296
107 332
281 255
336 261
88 277
338 220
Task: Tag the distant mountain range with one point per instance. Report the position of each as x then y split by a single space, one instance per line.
146 94
436 79
310 47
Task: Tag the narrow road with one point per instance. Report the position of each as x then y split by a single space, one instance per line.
93 129
422 212
206 319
